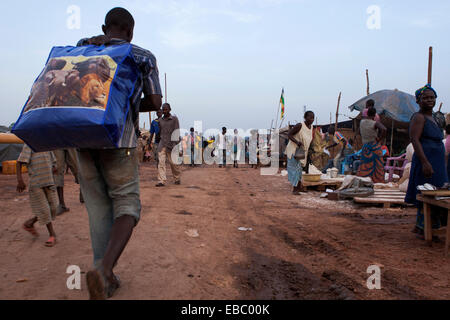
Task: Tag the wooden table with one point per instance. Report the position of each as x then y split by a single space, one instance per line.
427 201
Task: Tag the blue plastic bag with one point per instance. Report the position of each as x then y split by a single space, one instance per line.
80 100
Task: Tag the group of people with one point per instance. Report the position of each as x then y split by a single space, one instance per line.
430 161
367 162
109 178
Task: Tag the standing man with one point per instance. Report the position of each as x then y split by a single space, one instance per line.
110 177
155 131
222 147
170 137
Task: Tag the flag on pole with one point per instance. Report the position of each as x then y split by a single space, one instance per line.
282 103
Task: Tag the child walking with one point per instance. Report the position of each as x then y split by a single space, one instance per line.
42 189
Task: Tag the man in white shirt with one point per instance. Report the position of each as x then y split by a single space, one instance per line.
222 147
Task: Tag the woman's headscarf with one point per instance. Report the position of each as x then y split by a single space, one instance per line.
420 91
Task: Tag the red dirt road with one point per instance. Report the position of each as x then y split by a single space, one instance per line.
299 247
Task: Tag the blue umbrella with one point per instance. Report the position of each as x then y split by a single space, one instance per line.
394 104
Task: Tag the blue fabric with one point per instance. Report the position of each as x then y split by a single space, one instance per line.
47 123
434 150
155 127
448 168
295 171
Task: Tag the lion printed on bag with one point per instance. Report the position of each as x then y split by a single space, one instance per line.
92 91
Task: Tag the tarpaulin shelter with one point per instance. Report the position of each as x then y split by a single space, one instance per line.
393 104
10 152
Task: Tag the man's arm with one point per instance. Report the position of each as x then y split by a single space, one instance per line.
152 100
381 131
151 103
293 132
20 183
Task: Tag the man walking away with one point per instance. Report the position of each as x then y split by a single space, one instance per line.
169 126
42 191
110 177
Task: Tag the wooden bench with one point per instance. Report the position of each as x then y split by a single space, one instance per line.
386 197
427 201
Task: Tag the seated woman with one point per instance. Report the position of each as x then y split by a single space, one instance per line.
428 162
372 132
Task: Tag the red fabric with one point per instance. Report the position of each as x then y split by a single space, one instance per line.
377 117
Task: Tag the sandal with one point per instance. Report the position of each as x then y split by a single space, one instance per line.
31 230
50 242
160 185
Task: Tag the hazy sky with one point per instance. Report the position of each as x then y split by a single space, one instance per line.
227 60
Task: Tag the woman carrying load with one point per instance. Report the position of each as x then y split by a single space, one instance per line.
372 133
300 136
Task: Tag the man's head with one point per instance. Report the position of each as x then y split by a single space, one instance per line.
370 103
192 130
159 113
166 109
235 131
119 23
309 117
331 130
224 130
371 113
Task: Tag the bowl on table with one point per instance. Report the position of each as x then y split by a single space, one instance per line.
312 177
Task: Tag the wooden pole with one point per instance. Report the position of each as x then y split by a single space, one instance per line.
9 138
278 113
367 78
392 137
430 65
165 85
281 122
337 112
